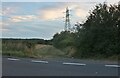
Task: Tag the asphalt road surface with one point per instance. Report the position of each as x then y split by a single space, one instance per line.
57 67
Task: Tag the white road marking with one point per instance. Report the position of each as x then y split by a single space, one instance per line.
74 64
39 61
112 65
13 59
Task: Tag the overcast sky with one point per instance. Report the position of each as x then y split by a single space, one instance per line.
41 19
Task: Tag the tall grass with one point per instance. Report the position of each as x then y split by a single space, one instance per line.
29 49
17 49
48 51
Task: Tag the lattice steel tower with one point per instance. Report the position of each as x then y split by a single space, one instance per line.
67 20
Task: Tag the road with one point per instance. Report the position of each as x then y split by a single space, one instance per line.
57 67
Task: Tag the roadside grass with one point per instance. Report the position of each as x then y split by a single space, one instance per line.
48 51
0 47
40 51
14 53
101 58
114 57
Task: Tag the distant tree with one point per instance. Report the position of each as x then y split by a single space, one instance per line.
64 39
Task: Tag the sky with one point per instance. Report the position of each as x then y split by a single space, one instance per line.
42 19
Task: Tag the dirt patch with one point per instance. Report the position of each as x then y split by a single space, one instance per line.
38 46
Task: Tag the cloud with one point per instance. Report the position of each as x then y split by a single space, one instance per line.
3 26
0 12
4 30
58 12
55 12
23 18
52 14
0 22
56 0
8 10
81 13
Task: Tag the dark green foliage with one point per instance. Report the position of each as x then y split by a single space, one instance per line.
63 40
98 36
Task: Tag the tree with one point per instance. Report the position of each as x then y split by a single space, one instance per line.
64 39
99 35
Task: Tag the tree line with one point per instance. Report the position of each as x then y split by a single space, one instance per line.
98 36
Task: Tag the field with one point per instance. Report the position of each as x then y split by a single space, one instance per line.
29 48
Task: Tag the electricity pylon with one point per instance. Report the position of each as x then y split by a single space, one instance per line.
67 20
